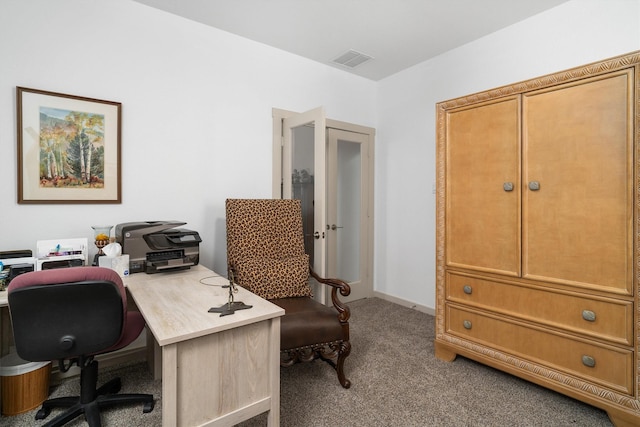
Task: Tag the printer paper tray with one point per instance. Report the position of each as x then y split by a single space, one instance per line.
167 265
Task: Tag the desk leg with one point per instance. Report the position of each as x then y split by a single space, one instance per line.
154 356
273 418
170 385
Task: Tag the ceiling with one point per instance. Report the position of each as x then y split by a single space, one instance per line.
396 34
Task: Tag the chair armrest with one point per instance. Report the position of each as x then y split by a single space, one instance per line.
336 284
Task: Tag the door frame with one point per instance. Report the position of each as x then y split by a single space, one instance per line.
277 180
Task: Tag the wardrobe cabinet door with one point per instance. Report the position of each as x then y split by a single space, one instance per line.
578 187
483 187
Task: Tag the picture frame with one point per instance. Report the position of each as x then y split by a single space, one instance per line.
69 149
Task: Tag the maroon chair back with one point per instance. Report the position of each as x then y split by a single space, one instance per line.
64 313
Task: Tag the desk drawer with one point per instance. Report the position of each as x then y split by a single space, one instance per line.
608 366
603 318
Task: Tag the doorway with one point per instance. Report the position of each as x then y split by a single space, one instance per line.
331 168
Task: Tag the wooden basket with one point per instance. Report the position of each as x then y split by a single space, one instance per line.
25 385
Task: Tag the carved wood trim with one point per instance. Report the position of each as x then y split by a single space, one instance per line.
550 374
573 74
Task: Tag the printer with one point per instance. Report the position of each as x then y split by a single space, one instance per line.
156 246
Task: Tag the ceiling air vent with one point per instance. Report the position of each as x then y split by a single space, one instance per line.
352 59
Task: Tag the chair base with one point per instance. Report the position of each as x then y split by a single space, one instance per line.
91 400
333 353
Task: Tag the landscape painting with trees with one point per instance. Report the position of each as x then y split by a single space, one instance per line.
71 149
68 148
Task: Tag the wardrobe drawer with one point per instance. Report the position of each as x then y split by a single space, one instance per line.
604 318
608 366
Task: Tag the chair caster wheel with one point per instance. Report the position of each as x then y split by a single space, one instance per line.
42 413
148 407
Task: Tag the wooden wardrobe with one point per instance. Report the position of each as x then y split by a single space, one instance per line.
537 238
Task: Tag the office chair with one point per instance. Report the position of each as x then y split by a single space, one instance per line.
71 315
266 255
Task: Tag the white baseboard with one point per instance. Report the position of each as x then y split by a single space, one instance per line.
405 303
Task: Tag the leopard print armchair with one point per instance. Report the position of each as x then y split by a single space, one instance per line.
265 254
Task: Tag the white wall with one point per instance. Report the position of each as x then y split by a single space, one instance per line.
570 35
196 106
197 114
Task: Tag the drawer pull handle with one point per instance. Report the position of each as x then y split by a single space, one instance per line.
508 186
588 361
467 289
467 324
589 315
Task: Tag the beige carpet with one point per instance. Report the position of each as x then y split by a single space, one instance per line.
396 381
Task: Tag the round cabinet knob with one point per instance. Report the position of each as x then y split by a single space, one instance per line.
534 185
467 289
588 361
589 315
508 186
467 324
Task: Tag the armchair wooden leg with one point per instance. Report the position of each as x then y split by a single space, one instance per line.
345 350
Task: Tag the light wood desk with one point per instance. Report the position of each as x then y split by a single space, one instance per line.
216 371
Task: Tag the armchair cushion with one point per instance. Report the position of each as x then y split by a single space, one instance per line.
307 322
274 278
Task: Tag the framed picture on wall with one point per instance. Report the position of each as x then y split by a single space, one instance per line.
68 148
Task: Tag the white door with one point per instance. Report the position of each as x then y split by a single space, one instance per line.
328 166
303 172
348 210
